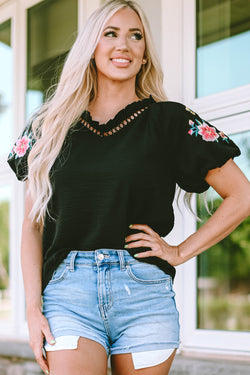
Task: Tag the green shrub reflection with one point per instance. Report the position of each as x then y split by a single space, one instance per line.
224 279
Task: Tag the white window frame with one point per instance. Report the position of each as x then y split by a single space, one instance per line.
219 105
16 11
9 11
225 110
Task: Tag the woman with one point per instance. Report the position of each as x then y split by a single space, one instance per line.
104 155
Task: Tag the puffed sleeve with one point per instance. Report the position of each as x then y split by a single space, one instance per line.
200 147
18 157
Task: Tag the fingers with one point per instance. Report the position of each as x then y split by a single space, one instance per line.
39 329
41 360
151 239
145 254
148 238
47 332
138 236
146 228
36 345
140 243
165 252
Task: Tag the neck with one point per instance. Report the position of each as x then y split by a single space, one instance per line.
111 98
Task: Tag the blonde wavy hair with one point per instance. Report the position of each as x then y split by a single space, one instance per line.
77 87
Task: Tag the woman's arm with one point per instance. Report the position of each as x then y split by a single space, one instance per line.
31 259
232 185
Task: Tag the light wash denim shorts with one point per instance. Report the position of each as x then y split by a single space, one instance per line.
108 296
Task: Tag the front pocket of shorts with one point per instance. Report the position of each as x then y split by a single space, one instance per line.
59 274
144 273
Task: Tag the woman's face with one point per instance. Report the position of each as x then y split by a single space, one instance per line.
121 48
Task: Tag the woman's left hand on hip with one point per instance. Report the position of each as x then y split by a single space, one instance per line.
149 238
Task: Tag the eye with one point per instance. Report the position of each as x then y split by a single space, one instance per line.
137 36
110 34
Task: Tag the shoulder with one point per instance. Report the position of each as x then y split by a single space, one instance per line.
172 116
171 109
169 105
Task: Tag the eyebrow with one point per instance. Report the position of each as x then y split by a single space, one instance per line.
118 28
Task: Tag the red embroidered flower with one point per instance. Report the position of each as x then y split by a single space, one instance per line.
22 146
208 133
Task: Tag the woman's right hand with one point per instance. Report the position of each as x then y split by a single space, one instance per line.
38 330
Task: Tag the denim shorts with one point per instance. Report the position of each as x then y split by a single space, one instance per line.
108 296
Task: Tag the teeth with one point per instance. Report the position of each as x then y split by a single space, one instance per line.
121 60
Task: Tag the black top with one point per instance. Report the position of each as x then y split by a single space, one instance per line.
123 172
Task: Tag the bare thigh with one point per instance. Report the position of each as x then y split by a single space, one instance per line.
122 364
89 358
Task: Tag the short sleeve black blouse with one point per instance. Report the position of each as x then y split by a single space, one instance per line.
108 176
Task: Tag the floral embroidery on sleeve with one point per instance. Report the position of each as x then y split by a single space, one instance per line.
206 131
223 136
22 145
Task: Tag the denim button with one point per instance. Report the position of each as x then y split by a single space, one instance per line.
100 256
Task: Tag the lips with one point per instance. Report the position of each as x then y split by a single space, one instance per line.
121 59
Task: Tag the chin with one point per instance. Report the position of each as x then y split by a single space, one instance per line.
121 77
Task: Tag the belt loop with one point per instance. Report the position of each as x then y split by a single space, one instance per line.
72 261
121 259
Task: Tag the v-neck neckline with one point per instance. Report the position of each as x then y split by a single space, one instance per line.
123 118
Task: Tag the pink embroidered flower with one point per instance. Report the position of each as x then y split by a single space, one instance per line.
191 122
190 132
22 146
208 133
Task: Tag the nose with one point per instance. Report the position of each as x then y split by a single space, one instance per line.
122 44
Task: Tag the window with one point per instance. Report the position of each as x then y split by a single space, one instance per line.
52 27
6 117
215 286
223 272
5 302
222 36
5 87
222 63
30 67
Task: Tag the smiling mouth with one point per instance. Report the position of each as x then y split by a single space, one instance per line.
121 60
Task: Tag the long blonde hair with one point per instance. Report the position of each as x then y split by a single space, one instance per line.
77 87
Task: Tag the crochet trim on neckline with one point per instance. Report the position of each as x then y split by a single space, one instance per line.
102 131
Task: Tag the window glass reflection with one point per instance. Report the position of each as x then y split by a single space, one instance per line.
223 32
48 46
5 194
5 87
223 282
